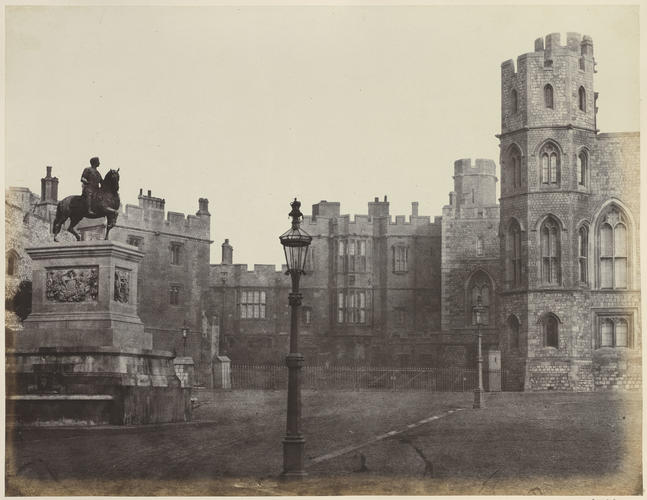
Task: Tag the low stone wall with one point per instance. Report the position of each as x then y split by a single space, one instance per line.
559 375
621 374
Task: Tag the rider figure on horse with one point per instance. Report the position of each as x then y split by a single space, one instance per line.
91 180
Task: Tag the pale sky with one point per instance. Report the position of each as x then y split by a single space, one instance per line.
252 106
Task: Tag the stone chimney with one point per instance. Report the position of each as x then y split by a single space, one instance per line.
149 201
203 207
49 188
227 253
414 208
378 208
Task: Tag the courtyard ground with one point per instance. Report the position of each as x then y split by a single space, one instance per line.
356 443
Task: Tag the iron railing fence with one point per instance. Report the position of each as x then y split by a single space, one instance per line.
356 378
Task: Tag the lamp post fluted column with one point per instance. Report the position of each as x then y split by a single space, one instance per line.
294 442
478 392
295 243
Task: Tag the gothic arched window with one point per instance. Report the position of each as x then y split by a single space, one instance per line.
549 157
12 263
479 285
550 249
551 331
513 327
582 99
582 253
513 254
613 250
548 96
582 167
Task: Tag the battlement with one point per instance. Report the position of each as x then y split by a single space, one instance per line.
152 218
582 45
324 211
550 46
240 275
482 166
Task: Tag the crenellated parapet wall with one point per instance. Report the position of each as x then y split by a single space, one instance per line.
155 219
241 275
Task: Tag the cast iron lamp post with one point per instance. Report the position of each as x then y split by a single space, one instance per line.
295 243
478 311
185 332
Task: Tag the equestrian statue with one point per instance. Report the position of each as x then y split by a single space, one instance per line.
100 198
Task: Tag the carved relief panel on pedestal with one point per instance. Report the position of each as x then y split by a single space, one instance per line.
122 286
72 285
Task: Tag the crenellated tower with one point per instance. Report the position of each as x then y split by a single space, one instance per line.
548 134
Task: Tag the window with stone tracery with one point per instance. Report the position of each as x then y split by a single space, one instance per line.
479 285
550 250
614 331
613 250
549 158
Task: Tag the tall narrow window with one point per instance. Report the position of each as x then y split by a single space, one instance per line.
515 160
310 260
513 250
361 258
621 333
514 103
340 307
583 252
551 331
174 295
549 157
550 268
479 245
548 96
512 171
175 253
11 263
606 333
582 166
400 259
582 99
613 250
341 256
306 315
513 327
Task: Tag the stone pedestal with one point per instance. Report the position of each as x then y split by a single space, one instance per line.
83 355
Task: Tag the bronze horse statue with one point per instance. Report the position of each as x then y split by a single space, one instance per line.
105 203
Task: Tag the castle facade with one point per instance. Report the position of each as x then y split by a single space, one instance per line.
555 260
